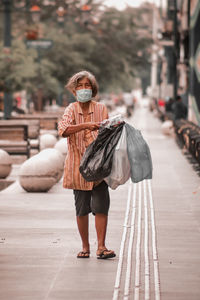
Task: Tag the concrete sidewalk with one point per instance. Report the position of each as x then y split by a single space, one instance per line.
39 239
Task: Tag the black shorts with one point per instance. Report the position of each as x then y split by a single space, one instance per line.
96 201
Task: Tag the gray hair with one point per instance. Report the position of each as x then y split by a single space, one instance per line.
73 81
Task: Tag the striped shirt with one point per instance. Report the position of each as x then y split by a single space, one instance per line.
79 141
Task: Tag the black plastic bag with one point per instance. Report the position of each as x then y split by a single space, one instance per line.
96 163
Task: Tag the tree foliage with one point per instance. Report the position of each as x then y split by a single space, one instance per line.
104 41
17 67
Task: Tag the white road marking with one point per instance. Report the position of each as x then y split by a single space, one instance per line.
130 247
154 247
141 195
146 245
121 254
138 246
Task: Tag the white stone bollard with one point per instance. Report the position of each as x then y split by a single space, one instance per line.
167 127
5 164
47 141
61 146
57 159
40 172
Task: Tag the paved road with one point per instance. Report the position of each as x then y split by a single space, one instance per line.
154 227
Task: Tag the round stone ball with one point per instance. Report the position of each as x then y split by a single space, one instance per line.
40 172
167 127
57 159
61 146
5 164
47 141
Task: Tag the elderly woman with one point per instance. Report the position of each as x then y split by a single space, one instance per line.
80 124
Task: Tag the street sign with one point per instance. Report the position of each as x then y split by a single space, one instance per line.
43 44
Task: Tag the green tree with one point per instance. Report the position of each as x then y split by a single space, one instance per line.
17 67
112 44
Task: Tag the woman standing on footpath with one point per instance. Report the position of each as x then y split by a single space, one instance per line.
80 124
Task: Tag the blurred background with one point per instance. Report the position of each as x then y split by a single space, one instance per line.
134 48
146 58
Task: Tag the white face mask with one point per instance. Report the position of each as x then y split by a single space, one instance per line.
84 95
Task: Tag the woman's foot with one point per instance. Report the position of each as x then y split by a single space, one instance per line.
105 253
83 254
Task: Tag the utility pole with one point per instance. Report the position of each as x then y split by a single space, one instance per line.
154 56
7 46
7 23
175 49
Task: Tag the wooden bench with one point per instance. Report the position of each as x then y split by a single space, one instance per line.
14 138
47 122
188 137
33 130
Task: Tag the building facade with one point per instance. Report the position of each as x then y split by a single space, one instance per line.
176 54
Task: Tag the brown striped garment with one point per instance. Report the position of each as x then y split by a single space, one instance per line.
79 141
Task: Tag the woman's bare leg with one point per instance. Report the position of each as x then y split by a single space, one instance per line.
83 227
101 221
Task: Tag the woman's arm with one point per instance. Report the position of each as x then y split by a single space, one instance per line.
76 128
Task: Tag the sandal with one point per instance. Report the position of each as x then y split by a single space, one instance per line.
104 254
83 254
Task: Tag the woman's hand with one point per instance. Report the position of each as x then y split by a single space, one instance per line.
92 125
76 128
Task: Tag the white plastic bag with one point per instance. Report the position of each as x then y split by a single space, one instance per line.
120 171
115 120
